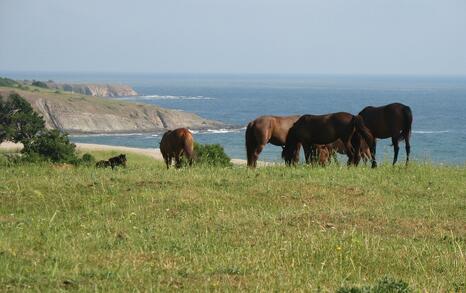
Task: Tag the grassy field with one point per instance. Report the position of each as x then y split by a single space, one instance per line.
289 229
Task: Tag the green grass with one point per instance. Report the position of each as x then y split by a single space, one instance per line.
289 229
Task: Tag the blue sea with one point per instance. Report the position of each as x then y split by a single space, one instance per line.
438 104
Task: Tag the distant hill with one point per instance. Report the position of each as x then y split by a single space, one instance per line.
79 113
89 89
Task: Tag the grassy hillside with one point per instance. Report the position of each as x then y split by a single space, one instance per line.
276 228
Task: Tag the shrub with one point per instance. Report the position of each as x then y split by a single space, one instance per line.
87 159
51 145
39 84
211 154
384 285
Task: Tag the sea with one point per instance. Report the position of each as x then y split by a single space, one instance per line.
438 104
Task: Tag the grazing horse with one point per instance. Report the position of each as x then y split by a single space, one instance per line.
324 154
364 150
324 129
393 120
267 129
176 143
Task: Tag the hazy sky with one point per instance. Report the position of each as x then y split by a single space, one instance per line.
235 36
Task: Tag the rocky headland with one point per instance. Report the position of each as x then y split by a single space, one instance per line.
80 113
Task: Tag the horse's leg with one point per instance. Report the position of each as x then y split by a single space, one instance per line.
335 158
307 153
396 149
356 144
169 161
408 150
373 150
255 155
314 155
178 160
296 155
349 151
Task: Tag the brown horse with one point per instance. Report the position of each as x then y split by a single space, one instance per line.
264 130
393 120
174 144
339 147
324 129
324 154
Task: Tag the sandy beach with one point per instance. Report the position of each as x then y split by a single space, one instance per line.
153 153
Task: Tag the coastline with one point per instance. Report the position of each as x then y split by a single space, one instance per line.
153 153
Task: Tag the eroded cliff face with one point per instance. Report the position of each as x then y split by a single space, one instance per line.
98 90
86 114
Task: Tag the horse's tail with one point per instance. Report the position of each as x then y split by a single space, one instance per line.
251 143
188 147
362 129
407 122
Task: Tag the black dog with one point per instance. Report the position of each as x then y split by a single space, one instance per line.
112 162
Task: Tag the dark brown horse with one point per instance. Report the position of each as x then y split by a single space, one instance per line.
176 143
393 120
264 130
324 129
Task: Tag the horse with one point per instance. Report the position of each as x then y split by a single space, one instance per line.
324 129
176 143
392 120
324 154
264 130
339 147
112 162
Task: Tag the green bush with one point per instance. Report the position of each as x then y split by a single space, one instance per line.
51 145
384 285
211 154
40 84
87 159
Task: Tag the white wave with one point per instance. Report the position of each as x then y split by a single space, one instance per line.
430 131
216 131
107 134
222 130
166 97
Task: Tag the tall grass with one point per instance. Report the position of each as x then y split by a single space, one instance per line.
145 228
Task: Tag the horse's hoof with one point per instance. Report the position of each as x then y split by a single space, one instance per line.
374 165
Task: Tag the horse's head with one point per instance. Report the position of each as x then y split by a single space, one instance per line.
289 154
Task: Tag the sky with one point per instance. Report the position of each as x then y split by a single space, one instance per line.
404 37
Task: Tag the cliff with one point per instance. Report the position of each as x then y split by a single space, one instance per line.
89 114
89 89
98 90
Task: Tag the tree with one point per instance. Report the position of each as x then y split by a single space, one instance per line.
18 121
40 84
52 145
